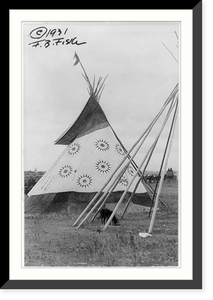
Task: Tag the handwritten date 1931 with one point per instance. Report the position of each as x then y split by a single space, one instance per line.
42 31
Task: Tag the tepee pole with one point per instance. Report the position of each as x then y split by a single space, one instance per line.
158 181
116 182
139 180
95 198
171 96
130 183
164 169
113 185
100 84
161 166
152 192
134 165
103 198
130 198
77 60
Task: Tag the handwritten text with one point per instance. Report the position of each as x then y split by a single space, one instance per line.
43 37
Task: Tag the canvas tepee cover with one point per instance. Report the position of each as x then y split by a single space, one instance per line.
92 153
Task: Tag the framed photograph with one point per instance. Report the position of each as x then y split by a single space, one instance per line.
105 130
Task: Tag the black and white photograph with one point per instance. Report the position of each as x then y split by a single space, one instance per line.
100 144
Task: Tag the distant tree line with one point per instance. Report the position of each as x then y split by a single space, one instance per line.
30 179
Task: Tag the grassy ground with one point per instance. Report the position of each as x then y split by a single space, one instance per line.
51 240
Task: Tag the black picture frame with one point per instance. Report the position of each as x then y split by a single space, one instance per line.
196 282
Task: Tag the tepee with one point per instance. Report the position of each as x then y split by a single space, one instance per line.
92 153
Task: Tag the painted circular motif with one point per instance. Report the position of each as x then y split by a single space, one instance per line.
102 145
74 148
123 181
65 171
102 166
131 170
119 149
84 181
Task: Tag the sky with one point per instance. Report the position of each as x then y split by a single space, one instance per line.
141 61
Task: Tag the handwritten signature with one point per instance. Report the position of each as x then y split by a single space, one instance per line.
56 37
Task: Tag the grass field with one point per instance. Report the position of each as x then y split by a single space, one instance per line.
51 240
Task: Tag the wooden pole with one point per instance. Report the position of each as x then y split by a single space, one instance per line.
130 198
163 172
86 78
145 133
113 185
139 180
95 198
159 173
103 198
129 185
109 193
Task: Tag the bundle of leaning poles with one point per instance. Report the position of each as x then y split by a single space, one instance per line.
100 198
